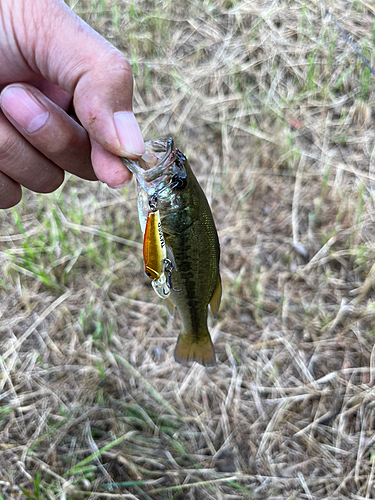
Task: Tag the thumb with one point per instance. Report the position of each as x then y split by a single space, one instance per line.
66 51
103 102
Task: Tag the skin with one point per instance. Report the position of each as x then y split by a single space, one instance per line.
51 64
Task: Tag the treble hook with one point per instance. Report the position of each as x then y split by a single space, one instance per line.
168 268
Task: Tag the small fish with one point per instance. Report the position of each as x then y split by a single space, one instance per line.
181 247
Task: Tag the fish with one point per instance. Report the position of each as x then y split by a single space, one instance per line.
181 247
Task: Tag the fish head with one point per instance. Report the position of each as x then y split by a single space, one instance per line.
161 175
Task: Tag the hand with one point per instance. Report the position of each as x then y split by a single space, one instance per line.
50 60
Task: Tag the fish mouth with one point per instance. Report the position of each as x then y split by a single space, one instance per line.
159 155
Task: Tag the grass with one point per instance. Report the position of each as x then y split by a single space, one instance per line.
274 110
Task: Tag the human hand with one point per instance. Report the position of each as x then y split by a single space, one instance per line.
49 60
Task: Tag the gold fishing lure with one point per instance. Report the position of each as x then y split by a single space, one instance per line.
154 251
155 255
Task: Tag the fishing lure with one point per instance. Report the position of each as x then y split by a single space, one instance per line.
154 250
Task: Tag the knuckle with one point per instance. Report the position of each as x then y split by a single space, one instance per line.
112 72
115 62
121 70
123 67
8 147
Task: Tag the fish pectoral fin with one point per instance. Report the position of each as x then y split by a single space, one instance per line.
197 348
216 297
170 307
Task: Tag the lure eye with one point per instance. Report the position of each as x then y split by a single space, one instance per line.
151 273
179 182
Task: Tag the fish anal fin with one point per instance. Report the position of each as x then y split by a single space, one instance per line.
216 297
192 348
170 307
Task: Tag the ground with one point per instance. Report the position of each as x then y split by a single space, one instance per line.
273 108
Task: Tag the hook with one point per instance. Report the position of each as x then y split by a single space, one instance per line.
168 268
152 202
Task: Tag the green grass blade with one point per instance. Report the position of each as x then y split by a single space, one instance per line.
77 468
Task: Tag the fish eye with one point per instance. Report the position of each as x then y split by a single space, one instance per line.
179 182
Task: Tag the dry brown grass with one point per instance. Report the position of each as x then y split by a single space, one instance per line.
274 110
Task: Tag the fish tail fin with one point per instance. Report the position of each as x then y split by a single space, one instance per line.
197 348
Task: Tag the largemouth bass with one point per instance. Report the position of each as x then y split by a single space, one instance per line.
181 247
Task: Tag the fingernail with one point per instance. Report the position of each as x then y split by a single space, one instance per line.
24 108
128 132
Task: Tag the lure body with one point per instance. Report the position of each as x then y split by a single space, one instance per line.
165 178
155 254
154 251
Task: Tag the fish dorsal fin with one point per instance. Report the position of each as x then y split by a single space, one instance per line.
216 297
170 307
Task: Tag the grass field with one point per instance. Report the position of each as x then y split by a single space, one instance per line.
274 110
